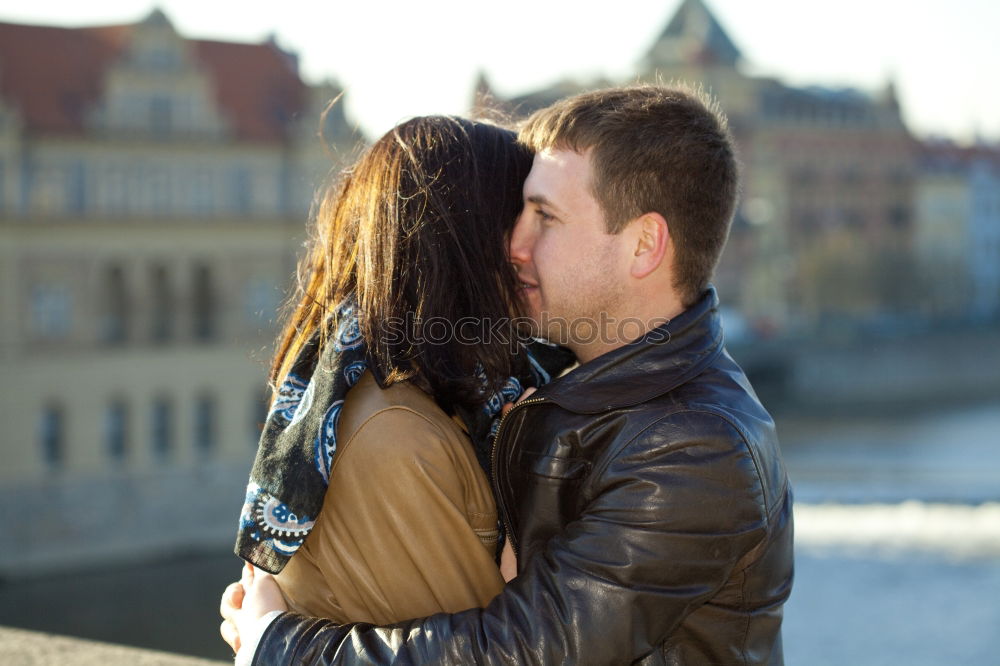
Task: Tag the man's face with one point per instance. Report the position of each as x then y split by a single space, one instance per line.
571 269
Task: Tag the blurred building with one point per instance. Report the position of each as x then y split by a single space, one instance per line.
826 219
153 195
957 228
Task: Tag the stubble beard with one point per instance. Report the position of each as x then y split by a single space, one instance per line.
581 322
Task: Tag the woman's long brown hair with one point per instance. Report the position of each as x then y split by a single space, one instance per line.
416 233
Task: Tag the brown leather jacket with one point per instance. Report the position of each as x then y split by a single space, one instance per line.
647 499
409 524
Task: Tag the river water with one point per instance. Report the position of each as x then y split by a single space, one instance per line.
897 563
897 539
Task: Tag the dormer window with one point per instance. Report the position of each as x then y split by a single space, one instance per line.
163 58
160 114
158 87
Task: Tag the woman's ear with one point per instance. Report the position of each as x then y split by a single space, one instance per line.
652 244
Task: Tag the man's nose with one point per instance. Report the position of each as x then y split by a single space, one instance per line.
519 245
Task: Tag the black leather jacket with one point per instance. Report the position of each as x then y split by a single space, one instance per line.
646 499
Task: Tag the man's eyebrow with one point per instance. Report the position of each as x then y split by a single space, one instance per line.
540 200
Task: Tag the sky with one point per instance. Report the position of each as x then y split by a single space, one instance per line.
397 59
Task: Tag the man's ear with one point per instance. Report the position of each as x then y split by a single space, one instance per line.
652 245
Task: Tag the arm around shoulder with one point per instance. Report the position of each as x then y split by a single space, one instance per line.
670 516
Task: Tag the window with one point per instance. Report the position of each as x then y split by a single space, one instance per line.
159 183
204 423
114 190
808 219
804 177
852 218
51 434
116 429
48 187
204 303
135 186
160 114
241 191
160 57
116 310
51 311
162 303
898 216
897 176
204 190
161 423
184 115
851 176
76 189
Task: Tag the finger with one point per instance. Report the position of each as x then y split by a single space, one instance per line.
230 634
232 600
507 406
246 575
234 594
528 391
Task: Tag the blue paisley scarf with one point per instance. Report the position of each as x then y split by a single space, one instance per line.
292 469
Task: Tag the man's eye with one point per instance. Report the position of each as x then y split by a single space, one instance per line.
542 215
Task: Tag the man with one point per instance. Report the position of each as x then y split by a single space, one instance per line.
643 493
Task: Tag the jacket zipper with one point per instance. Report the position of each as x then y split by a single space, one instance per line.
493 461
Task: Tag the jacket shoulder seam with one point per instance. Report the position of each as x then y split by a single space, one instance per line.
380 412
747 449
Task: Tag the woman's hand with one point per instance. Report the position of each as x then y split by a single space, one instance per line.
247 601
508 563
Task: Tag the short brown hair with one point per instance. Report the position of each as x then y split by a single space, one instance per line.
663 149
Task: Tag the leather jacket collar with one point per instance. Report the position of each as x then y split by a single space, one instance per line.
658 362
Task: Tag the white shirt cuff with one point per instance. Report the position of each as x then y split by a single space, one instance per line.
248 643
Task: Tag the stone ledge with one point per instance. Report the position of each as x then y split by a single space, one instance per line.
31 648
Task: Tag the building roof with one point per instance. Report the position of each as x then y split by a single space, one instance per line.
53 76
524 105
255 85
694 36
848 105
942 155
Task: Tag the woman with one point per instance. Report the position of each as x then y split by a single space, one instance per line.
390 362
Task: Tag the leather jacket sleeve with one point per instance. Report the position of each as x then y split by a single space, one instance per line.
666 520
